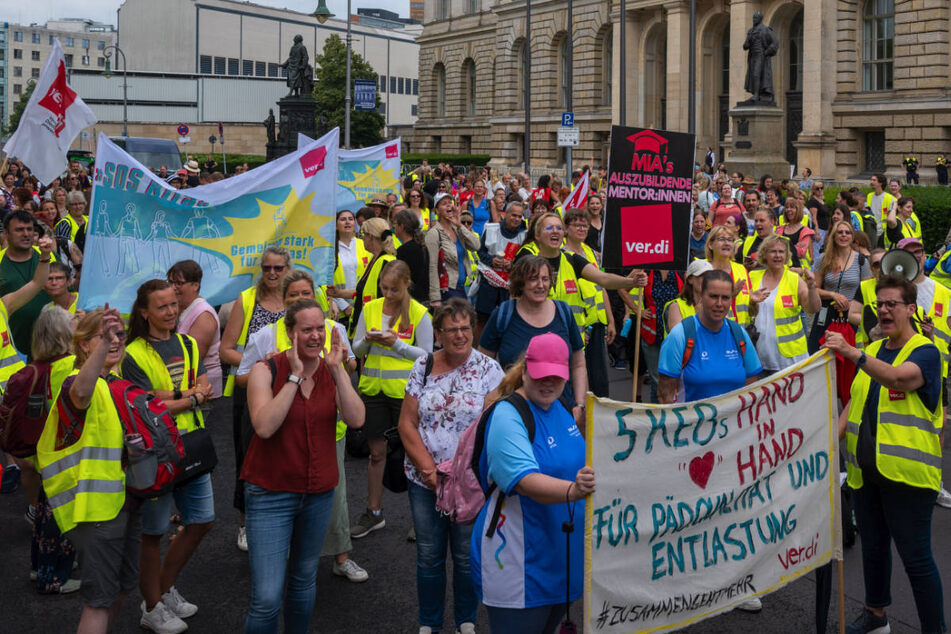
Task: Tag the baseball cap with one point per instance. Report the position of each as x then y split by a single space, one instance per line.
547 355
439 197
906 242
698 267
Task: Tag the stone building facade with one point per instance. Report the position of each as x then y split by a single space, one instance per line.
860 82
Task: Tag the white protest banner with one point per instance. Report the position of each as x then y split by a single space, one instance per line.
52 119
139 225
700 506
366 173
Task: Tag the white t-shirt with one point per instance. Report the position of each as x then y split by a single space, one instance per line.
264 342
925 290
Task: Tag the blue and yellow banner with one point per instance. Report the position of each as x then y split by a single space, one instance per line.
139 225
365 174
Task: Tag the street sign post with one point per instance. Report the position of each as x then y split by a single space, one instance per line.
569 137
364 94
182 130
184 139
567 119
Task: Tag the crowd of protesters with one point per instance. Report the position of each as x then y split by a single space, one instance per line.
466 291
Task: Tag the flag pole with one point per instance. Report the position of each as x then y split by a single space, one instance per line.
841 597
3 166
637 345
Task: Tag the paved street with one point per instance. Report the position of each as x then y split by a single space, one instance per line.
217 578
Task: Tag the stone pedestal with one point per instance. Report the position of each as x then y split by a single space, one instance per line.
757 142
297 115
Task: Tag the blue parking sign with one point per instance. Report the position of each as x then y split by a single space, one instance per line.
567 119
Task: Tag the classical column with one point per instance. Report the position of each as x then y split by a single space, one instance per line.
816 142
678 60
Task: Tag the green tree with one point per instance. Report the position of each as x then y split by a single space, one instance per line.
19 107
330 75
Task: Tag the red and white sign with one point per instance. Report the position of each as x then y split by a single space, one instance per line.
579 197
52 119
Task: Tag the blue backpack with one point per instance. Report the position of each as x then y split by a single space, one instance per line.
690 333
507 309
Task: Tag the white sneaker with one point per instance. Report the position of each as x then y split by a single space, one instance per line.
71 585
425 629
944 498
351 571
177 604
161 620
466 628
242 539
751 605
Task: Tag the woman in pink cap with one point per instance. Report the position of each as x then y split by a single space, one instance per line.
521 567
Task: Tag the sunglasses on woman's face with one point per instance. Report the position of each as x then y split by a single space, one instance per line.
268 268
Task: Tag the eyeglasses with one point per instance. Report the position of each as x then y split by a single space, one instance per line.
461 330
890 304
467 223
121 335
276 268
724 239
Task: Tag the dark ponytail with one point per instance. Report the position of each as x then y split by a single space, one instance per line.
139 325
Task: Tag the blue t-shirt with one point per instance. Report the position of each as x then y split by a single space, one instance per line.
512 343
523 565
461 255
715 366
480 215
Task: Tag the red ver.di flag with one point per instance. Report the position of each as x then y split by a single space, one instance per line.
647 217
53 118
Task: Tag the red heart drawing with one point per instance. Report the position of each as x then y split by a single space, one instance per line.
700 468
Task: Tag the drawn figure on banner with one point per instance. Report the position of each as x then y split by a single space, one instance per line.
280 219
104 230
201 226
128 232
158 236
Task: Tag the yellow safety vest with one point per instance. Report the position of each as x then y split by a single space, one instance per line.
567 289
72 307
938 274
283 342
10 361
939 311
531 247
910 228
84 482
373 277
246 303
686 310
907 445
154 368
37 249
742 301
59 370
384 369
887 201
790 335
73 226
363 259
591 293
867 287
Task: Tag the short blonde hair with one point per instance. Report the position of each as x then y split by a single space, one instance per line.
715 233
768 243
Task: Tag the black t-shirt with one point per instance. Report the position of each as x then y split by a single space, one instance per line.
928 359
417 259
170 350
593 239
822 213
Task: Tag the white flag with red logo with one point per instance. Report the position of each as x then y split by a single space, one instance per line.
53 118
578 198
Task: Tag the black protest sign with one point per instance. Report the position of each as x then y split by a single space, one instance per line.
647 217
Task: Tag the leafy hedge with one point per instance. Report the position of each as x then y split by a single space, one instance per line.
452 159
932 204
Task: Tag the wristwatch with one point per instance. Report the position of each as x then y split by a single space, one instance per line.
862 360
177 394
294 379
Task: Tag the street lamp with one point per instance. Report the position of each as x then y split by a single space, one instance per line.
322 13
107 73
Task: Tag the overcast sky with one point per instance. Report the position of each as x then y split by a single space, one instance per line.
39 11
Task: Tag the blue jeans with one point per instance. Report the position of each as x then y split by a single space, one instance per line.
892 511
285 534
541 620
433 531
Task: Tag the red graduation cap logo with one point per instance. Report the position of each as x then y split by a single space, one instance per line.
648 141
59 98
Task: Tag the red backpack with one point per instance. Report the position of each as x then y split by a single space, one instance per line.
157 460
24 409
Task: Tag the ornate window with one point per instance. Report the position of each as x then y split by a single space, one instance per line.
795 54
607 66
563 71
521 68
439 75
471 86
878 45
